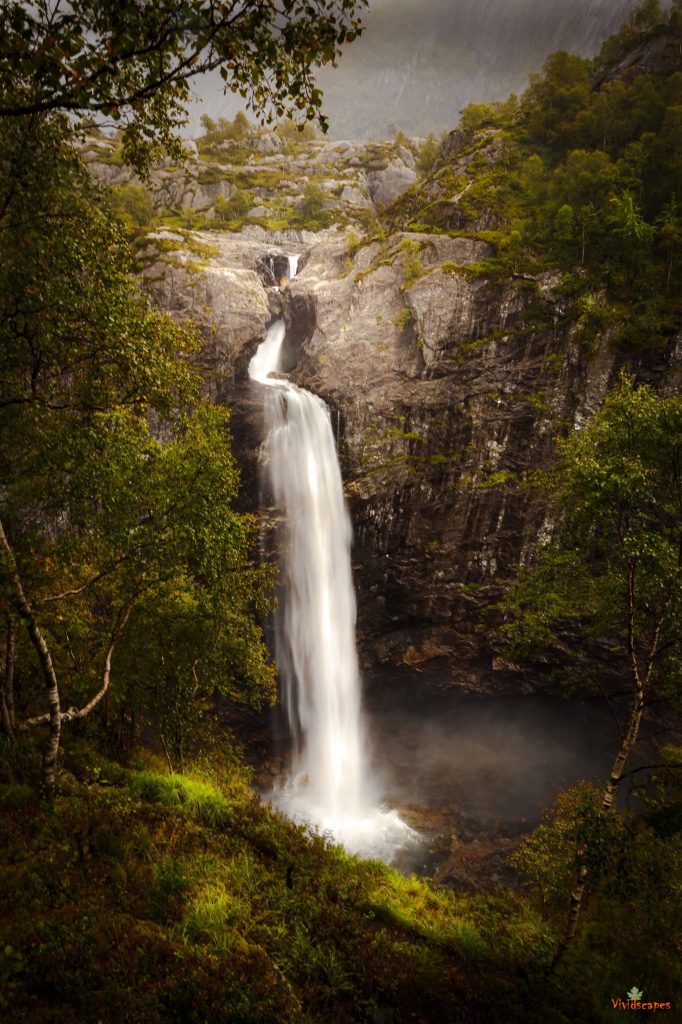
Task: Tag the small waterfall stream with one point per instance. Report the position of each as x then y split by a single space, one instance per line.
315 626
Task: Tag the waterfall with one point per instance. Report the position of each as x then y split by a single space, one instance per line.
315 626
315 630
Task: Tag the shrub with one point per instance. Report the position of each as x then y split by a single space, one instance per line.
292 132
132 203
414 269
235 208
313 201
428 155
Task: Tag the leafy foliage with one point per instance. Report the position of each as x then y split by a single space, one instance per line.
311 212
225 136
134 63
132 203
583 173
428 155
612 572
292 132
612 563
635 860
117 481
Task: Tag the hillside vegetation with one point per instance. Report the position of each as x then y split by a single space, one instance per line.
144 896
143 879
582 175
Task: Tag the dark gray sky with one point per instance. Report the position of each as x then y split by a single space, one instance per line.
420 61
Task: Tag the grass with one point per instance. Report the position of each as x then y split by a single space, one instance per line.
147 897
198 799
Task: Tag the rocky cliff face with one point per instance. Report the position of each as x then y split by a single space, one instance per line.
446 379
227 286
447 388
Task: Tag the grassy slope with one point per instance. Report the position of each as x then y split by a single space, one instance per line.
146 897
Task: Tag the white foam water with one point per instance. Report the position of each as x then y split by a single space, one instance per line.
315 626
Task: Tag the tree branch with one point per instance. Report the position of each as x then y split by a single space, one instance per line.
76 713
648 768
26 616
79 590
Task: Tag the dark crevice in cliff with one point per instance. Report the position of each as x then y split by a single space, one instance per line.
299 315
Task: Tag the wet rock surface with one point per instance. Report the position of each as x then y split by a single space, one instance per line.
446 387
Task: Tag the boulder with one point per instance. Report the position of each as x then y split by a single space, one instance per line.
354 197
387 184
267 144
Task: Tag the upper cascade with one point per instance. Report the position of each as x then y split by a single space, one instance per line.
267 358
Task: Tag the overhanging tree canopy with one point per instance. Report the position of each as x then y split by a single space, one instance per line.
134 60
117 483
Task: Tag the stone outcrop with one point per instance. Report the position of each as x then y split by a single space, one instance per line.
445 386
656 55
211 280
386 184
357 178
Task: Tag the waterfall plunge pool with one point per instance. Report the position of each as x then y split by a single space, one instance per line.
470 773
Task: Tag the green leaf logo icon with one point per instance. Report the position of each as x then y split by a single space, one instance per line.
634 993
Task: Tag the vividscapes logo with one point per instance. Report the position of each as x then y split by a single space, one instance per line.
635 1001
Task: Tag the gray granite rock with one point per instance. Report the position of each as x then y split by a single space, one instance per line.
386 185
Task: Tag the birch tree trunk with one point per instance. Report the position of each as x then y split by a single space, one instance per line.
75 713
641 678
608 798
25 614
7 690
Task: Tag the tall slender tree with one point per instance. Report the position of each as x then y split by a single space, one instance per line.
613 567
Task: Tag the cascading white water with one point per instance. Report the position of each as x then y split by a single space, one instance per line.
315 625
315 642
293 264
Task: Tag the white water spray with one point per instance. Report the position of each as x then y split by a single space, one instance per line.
315 626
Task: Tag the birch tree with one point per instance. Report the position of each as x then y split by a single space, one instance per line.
102 523
612 573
